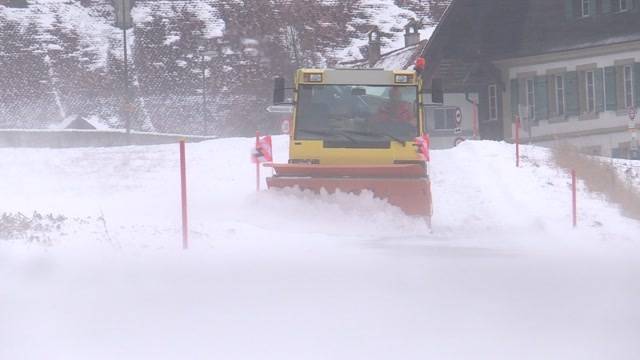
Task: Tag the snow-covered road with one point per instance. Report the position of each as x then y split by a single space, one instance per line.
298 276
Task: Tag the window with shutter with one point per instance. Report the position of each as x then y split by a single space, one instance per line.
586 8
559 94
636 82
610 88
628 85
530 99
571 93
590 92
599 73
493 102
483 104
514 98
444 118
541 99
568 9
614 4
623 5
620 100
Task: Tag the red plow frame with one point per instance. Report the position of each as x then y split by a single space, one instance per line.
406 186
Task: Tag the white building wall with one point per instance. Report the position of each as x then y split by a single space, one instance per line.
558 129
571 65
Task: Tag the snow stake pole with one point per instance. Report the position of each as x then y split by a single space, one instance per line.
183 187
257 163
573 198
517 141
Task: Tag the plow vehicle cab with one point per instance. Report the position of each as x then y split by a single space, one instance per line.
355 130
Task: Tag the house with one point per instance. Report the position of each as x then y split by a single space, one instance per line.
569 70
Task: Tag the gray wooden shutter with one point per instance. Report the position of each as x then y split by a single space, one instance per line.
483 103
634 5
551 95
571 93
568 9
610 85
582 92
580 8
620 87
542 107
636 83
514 98
592 8
606 6
615 5
599 78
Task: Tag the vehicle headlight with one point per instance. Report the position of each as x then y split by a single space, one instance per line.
403 78
313 77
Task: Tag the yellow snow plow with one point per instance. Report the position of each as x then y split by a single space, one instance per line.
355 130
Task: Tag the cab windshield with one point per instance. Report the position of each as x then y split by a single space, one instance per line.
357 113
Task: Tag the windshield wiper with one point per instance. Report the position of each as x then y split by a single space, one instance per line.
356 132
327 133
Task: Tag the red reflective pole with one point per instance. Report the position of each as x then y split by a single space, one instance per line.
183 186
573 196
517 141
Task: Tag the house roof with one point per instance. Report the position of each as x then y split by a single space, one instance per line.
498 29
549 28
473 34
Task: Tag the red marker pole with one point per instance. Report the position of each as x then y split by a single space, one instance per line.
257 164
183 186
574 200
517 141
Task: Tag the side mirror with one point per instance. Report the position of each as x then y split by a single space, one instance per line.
278 90
437 94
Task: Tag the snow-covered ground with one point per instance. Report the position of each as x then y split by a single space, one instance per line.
284 275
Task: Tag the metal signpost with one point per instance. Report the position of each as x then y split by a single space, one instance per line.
284 109
458 128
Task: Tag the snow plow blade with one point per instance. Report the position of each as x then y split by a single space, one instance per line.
403 185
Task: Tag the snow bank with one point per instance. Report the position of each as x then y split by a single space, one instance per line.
290 275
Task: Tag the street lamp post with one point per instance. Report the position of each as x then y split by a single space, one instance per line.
126 71
124 21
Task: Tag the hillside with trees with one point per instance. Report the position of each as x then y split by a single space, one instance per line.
60 58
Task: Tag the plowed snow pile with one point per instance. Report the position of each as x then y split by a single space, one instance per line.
290 275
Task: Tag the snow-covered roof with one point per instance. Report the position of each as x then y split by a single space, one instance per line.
390 20
397 59
92 120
